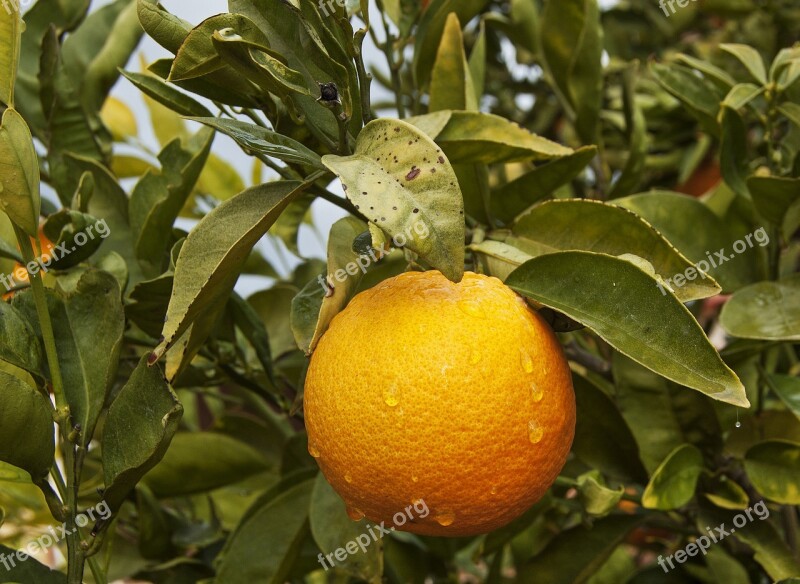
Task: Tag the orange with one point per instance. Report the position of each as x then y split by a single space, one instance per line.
456 398
20 273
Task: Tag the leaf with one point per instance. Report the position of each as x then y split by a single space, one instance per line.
477 63
402 181
138 429
197 55
572 47
577 553
19 344
733 156
266 544
451 81
215 252
727 494
332 528
119 119
593 226
750 58
709 70
676 217
767 311
66 229
598 500
603 439
787 389
30 571
774 469
157 199
430 29
518 195
673 483
166 95
691 91
26 428
88 323
623 305
314 308
479 138
791 111
19 169
224 461
257 139
11 27
636 133
741 95
499 259
773 196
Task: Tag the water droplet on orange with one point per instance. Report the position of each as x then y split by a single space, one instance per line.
471 308
535 432
526 361
312 450
348 478
445 517
537 393
354 513
390 397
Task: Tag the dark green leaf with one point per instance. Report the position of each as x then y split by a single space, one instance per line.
774 469
767 311
673 483
26 427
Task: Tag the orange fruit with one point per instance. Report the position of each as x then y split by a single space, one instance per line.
20 272
439 408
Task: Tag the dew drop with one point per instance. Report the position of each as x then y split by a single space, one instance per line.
738 424
535 432
414 479
445 517
354 513
390 397
474 358
537 393
494 489
471 308
348 478
526 361
312 450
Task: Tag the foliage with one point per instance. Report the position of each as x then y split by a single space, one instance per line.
593 158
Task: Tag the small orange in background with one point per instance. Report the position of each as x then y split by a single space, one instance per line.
455 399
20 272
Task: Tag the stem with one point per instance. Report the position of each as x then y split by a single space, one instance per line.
394 68
364 78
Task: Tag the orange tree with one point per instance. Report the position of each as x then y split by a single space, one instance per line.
157 417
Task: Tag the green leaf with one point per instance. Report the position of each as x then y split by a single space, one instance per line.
401 181
636 132
274 306
332 528
767 311
479 138
727 494
11 27
499 259
518 195
676 217
603 439
64 227
166 95
593 226
572 47
709 70
314 308
159 196
224 461
774 469
26 428
215 252
19 195
257 139
598 500
699 99
624 306
138 429
733 155
477 63
197 55
750 58
741 95
577 553
88 323
267 543
430 29
773 196
791 111
673 483
451 81
788 390
19 344
30 571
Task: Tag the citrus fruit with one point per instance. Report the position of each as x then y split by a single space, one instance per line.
439 408
20 273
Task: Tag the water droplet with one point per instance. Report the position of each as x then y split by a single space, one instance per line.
738 424
526 361
537 393
417 501
474 358
494 489
354 513
445 517
414 478
312 450
535 432
471 308
348 478
390 397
